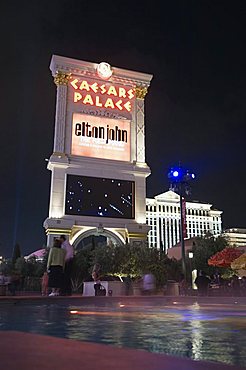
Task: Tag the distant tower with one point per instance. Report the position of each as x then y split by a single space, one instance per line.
98 169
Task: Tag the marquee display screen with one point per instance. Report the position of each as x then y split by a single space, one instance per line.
100 197
100 137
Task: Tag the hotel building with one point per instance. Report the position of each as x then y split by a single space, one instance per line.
163 217
236 236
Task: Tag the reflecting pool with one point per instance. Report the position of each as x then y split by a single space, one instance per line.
210 333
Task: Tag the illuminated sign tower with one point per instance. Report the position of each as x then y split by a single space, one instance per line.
98 169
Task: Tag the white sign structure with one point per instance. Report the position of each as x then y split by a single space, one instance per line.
98 168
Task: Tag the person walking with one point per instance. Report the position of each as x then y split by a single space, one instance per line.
3 279
202 282
243 286
55 267
45 284
148 283
235 286
96 277
67 284
183 286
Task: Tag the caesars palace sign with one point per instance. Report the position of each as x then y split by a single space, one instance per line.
101 95
101 137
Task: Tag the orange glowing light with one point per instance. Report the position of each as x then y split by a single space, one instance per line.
124 313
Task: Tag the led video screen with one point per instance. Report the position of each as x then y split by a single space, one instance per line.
100 197
100 137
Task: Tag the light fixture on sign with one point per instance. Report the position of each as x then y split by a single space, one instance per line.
104 70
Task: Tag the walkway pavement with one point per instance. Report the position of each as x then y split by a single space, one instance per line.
26 351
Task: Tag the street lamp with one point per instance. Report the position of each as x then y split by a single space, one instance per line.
180 179
190 255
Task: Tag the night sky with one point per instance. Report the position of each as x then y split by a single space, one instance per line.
195 108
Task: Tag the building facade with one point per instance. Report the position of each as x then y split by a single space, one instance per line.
163 217
236 236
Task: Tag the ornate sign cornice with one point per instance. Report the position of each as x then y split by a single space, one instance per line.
141 92
89 70
61 78
103 113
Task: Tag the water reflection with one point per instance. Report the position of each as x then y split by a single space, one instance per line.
194 332
190 332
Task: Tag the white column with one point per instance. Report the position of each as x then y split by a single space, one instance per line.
140 134
158 231
177 228
195 223
162 233
166 231
170 228
61 80
57 193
